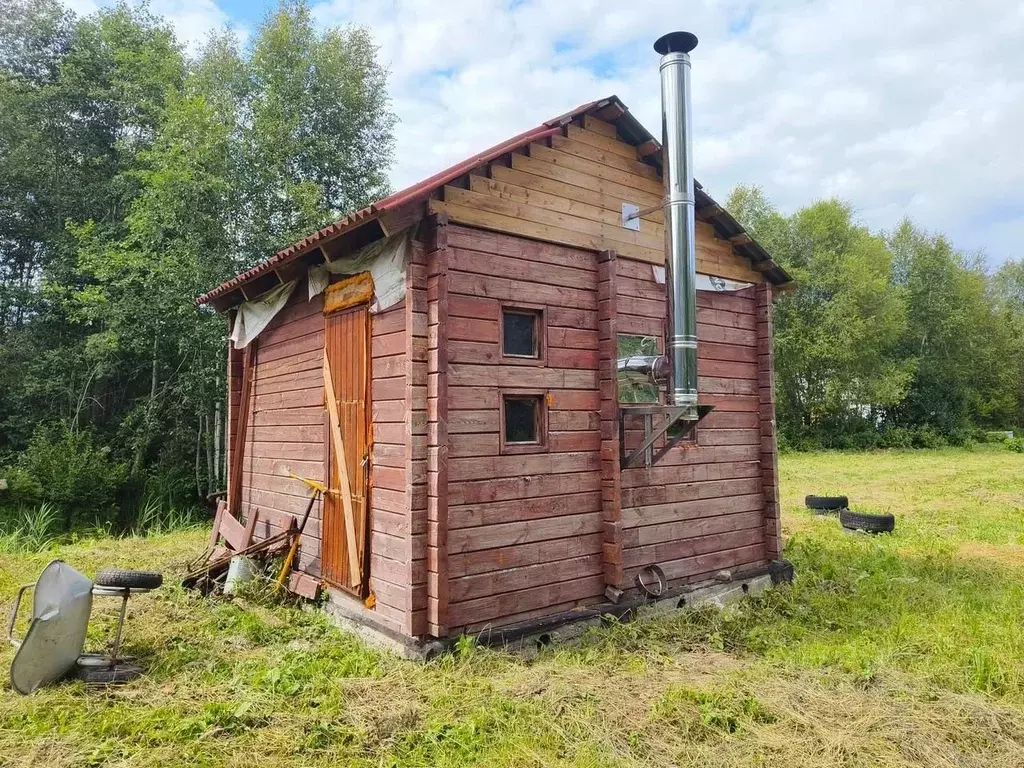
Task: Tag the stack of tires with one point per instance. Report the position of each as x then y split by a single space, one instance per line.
850 520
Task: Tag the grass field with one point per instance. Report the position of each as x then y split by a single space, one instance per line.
903 650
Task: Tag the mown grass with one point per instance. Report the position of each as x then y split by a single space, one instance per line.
902 650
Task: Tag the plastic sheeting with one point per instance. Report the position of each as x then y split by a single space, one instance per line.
383 259
705 282
253 316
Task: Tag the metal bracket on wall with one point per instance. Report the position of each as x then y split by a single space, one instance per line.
673 414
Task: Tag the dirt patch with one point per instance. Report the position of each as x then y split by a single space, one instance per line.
1006 554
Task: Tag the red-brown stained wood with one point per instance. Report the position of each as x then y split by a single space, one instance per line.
413 390
501 605
769 440
522 510
704 566
464 536
508 289
518 464
508 534
244 407
524 487
441 328
523 554
664 552
639 503
520 505
710 493
611 470
523 577
286 429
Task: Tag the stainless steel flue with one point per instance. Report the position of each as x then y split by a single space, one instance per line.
680 244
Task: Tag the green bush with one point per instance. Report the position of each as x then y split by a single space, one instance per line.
73 473
22 489
896 437
1016 445
926 437
961 438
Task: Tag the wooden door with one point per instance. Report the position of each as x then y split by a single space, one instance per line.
343 544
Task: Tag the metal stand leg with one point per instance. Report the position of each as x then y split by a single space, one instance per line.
120 626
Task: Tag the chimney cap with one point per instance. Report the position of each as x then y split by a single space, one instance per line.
676 42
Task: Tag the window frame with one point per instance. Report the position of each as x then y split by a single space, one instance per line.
540 420
659 390
689 441
540 334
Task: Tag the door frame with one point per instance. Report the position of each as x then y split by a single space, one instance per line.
347 295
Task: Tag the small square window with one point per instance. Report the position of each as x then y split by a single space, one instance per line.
523 422
686 431
520 333
521 419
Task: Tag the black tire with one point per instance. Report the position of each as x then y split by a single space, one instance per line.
119 672
862 521
122 578
827 503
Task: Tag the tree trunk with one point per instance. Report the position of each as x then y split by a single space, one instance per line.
143 443
199 446
218 416
211 480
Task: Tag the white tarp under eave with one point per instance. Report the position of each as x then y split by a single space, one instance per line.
705 282
253 316
383 259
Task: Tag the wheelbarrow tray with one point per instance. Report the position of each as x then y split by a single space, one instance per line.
61 604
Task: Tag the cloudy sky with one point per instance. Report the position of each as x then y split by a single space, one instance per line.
899 106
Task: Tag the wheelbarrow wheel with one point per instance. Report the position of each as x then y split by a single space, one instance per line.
121 578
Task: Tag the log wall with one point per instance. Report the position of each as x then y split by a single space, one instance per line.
569 189
287 430
463 535
702 507
524 530
436 283
390 525
769 437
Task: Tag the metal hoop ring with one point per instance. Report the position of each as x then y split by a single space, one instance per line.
654 586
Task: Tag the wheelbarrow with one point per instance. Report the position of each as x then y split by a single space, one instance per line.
61 605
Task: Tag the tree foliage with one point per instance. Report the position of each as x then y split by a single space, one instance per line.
886 333
132 179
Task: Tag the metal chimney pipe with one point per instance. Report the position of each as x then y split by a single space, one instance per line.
680 236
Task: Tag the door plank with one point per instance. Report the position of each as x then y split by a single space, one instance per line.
346 488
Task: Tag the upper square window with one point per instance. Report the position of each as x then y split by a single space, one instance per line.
520 333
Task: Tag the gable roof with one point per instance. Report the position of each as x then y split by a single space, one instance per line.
386 216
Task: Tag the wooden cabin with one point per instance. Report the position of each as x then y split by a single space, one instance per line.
480 445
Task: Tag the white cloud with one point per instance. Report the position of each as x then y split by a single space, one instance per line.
193 20
902 108
80 7
911 107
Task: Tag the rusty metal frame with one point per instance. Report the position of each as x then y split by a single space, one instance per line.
674 413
